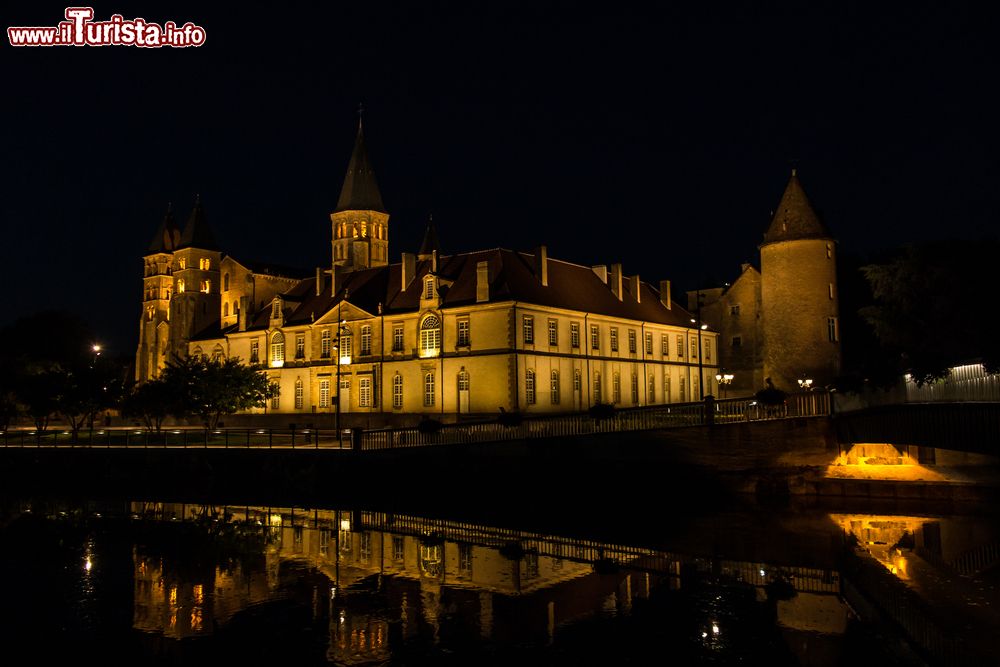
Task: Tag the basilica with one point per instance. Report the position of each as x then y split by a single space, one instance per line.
431 333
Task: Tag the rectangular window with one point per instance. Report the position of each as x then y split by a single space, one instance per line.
553 332
465 558
276 401
299 394
734 309
597 387
631 341
595 337
576 380
366 340
635 389
345 347
649 343
529 329
463 333
254 351
651 398
665 346
397 548
614 339
554 388
365 392
616 388
397 337
831 329
693 353
737 341
529 387
680 347
397 391
366 545
429 288
574 334
324 393
429 394
682 395
325 344
706 346
300 346
666 386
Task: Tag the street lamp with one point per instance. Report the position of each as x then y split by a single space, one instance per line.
724 379
701 373
342 330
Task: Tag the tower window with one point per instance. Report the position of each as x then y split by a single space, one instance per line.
182 263
225 309
225 283
737 341
832 330
206 286
204 264
734 309
829 250
180 285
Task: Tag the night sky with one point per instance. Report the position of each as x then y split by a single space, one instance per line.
658 138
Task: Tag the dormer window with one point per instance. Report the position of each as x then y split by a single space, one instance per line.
276 310
429 287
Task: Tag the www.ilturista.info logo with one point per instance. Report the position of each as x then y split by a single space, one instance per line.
79 29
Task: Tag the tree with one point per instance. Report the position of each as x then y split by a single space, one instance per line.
210 388
931 307
84 389
152 402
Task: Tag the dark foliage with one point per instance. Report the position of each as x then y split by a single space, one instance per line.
429 426
602 411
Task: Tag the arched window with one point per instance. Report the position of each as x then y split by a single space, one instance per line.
196 353
616 388
597 387
554 387
463 380
225 309
299 394
529 387
218 354
651 396
225 283
397 391
635 389
278 349
430 336
180 285
429 390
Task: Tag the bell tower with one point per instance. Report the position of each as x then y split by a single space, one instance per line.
196 301
799 297
360 222
157 288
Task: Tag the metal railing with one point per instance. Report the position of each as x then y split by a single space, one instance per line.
187 438
677 415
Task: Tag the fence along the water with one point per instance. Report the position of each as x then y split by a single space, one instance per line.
676 415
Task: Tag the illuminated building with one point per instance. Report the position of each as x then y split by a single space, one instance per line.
469 332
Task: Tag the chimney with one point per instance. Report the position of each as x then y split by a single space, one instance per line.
482 282
408 269
633 287
542 264
319 281
665 294
244 315
616 280
601 270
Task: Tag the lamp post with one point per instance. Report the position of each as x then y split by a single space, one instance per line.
342 329
724 379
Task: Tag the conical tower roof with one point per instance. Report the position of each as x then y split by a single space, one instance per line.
168 234
430 242
197 233
795 218
360 191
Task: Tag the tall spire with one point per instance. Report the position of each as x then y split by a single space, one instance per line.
197 233
168 234
430 242
795 217
360 191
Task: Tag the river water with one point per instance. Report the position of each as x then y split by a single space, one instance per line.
141 581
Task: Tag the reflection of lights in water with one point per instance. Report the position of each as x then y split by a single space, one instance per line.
704 634
333 592
87 564
763 573
343 616
715 629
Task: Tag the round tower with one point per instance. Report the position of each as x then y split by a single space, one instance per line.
799 300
